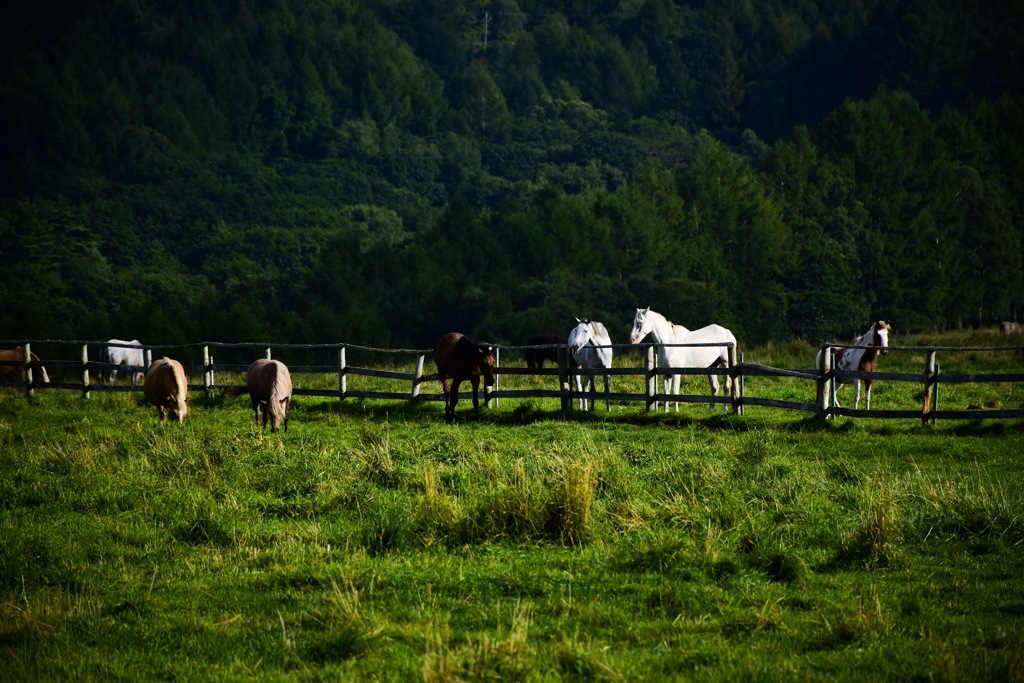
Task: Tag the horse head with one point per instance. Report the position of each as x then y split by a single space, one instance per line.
487 362
881 336
581 335
642 325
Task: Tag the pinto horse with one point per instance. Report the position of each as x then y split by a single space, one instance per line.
460 359
17 355
127 353
590 344
861 360
535 357
664 332
167 389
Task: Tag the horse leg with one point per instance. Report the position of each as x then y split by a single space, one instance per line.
714 390
452 399
670 384
579 393
856 394
867 394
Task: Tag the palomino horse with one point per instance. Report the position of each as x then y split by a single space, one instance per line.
17 355
167 389
535 357
590 344
664 332
460 359
127 353
861 360
270 388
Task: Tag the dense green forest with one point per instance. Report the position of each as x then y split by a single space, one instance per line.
383 172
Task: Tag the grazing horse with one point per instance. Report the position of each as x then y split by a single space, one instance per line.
861 360
270 388
166 388
664 332
127 353
1008 327
460 359
590 344
535 357
17 354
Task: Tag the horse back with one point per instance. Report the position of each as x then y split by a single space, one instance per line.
458 357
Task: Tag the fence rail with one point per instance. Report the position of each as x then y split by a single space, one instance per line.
824 378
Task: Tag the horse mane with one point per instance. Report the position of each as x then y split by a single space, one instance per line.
276 377
179 382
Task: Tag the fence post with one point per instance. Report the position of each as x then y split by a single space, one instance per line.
207 384
563 378
935 394
147 360
929 381
268 353
497 380
28 368
342 374
417 376
650 378
737 407
738 383
822 382
85 371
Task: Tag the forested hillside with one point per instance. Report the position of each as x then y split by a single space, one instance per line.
383 172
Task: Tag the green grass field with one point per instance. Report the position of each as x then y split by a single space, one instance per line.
374 541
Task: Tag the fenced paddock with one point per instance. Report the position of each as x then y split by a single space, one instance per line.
346 371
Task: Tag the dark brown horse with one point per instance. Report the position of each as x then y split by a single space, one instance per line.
17 354
535 357
460 359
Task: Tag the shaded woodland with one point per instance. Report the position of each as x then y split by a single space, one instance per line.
381 173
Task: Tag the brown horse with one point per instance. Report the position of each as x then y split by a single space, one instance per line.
270 388
460 359
17 355
535 357
166 388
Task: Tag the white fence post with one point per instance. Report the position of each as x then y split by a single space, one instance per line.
417 376
207 371
85 371
342 375
28 368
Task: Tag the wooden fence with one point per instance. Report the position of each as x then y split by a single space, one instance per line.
824 379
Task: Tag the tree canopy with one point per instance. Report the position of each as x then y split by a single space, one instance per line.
381 173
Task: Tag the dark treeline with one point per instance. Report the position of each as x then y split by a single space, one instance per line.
383 172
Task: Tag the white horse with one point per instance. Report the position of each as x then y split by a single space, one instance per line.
861 360
591 348
664 332
127 353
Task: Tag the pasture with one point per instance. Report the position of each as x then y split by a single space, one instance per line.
374 540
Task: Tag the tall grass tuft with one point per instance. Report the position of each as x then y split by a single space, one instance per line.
373 455
877 540
569 514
